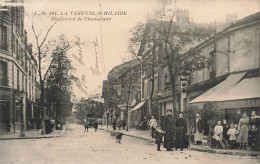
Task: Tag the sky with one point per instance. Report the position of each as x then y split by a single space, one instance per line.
111 37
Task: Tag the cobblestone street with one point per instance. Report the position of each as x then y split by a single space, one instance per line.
100 147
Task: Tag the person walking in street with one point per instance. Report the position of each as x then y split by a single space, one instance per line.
181 130
96 125
169 127
243 128
86 124
198 130
114 124
153 125
158 134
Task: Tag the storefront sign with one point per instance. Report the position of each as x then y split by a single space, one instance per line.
238 104
231 104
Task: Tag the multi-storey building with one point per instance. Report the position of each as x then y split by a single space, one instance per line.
17 70
122 91
232 81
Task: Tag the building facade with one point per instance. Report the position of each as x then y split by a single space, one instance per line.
121 92
232 81
18 70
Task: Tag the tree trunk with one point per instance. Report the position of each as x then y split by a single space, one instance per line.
43 112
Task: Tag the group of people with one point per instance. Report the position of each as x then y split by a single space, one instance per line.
119 123
241 133
174 132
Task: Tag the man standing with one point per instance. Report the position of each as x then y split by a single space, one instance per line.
86 124
153 125
169 127
114 124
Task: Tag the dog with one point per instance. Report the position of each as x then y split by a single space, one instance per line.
118 136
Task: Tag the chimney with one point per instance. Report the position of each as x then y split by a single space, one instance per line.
230 19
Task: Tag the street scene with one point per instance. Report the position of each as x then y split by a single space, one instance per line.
118 81
100 147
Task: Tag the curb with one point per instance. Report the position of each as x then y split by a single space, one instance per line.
37 137
197 149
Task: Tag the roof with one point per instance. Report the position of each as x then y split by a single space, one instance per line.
117 71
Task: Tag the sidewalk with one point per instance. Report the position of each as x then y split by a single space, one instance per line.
31 134
145 135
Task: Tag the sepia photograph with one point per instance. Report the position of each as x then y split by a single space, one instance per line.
129 81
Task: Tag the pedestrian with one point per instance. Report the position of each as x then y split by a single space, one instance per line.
181 130
225 129
232 132
114 124
119 124
253 137
238 116
124 124
218 134
96 125
153 125
169 127
198 130
255 120
243 128
158 134
86 124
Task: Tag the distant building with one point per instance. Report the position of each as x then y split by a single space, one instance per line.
122 91
18 71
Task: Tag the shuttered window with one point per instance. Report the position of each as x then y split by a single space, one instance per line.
3 73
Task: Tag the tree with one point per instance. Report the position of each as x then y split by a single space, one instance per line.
174 42
142 46
42 53
60 77
179 55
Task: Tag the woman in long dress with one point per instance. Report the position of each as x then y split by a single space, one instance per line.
243 128
198 130
181 130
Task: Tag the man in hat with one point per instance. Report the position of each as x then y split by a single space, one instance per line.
169 127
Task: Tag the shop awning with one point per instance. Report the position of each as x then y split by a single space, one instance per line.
137 106
216 93
248 88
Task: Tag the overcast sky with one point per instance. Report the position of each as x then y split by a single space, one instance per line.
115 33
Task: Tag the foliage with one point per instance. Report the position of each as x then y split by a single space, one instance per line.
60 77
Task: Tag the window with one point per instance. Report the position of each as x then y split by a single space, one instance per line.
155 85
3 73
17 50
18 86
22 82
145 88
3 37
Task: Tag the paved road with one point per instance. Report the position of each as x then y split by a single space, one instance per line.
99 147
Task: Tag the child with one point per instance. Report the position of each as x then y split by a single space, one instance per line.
236 127
158 134
232 132
218 133
253 137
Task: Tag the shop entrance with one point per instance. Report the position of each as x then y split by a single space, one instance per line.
4 117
